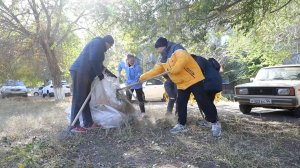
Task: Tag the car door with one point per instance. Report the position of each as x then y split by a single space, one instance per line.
153 89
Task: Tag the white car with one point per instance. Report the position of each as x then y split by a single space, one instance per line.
13 88
154 90
48 90
273 87
37 91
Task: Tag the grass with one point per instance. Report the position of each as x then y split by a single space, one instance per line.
33 134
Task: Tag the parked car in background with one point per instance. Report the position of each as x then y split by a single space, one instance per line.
153 90
273 87
13 88
49 91
38 91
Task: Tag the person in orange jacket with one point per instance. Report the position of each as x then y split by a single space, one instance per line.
185 72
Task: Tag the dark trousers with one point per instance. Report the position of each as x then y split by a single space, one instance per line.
129 95
211 96
81 89
202 99
140 97
171 90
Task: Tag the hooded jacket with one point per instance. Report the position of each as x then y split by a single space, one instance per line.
90 61
184 71
213 79
133 74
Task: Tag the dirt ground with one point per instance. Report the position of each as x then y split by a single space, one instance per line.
34 134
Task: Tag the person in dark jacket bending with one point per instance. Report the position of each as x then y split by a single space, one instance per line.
86 67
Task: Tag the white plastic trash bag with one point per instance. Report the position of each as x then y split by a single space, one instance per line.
106 109
107 116
105 93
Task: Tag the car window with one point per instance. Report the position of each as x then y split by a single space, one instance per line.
154 82
19 83
280 73
14 83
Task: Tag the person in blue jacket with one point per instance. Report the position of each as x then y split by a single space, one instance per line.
133 72
122 65
86 67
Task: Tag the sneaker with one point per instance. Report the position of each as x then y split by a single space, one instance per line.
216 129
204 123
178 129
144 115
78 129
168 113
94 126
141 116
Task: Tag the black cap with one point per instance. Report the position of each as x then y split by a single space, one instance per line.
161 42
109 39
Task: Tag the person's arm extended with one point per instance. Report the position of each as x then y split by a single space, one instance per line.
96 56
158 69
120 68
139 73
182 59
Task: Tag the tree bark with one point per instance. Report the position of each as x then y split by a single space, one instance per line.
53 67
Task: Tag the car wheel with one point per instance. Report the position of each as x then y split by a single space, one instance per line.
36 94
245 109
3 96
296 112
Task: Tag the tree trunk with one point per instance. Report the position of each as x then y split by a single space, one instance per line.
59 93
54 68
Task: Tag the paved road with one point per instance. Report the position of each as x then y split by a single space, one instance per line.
232 108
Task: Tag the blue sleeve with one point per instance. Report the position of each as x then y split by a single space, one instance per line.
139 73
120 66
96 55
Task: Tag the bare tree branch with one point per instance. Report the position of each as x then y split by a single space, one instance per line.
48 30
35 14
281 6
69 29
19 24
227 6
56 25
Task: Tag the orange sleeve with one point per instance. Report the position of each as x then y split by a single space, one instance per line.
158 69
182 59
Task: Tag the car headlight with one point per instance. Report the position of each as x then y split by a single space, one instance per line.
242 91
286 91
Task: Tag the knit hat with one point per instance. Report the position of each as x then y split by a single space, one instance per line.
161 42
109 39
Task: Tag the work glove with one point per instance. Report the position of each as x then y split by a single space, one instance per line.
108 73
101 76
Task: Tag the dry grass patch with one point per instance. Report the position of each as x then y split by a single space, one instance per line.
33 134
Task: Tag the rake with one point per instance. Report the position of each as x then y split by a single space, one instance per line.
121 95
